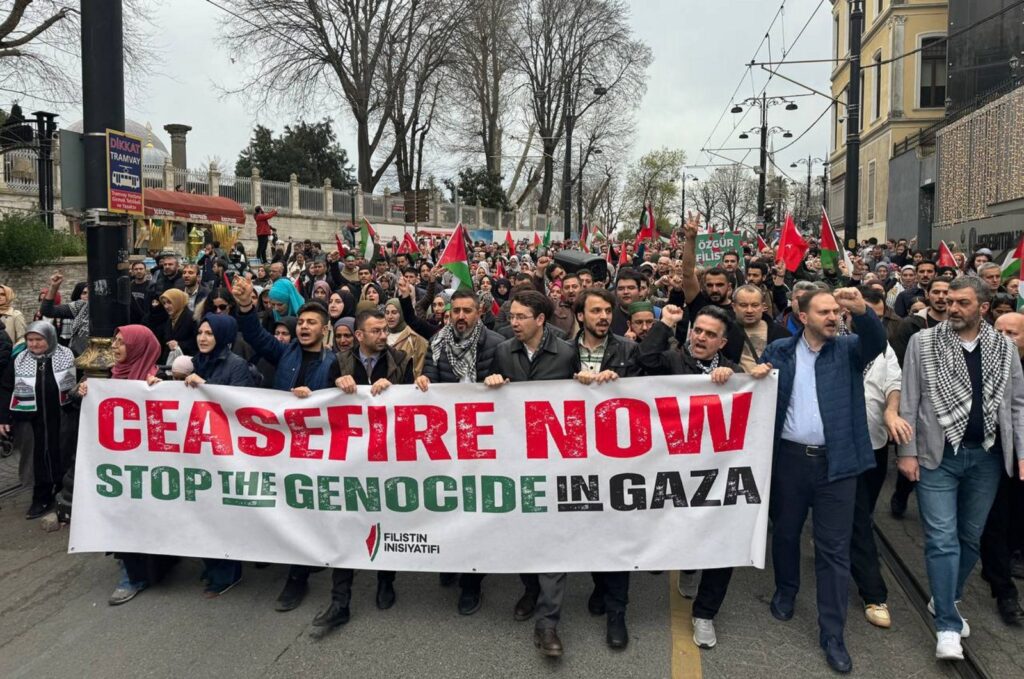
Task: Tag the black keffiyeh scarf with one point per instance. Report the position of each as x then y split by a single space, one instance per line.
461 353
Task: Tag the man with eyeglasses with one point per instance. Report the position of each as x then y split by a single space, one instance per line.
534 353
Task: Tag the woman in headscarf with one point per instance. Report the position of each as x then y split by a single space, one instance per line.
221 301
215 364
371 293
179 330
136 351
77 310
344 333
35 392
13 320
341 304
501 290
285 300
321 291
403 338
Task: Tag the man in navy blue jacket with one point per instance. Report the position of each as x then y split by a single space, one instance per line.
303 366
821 446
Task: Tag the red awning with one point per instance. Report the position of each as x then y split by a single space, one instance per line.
190 207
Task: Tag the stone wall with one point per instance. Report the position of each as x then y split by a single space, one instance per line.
27 283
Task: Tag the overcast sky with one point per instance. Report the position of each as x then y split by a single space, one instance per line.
700 50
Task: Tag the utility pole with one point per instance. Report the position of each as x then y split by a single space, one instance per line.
570 123
853 113
106 233
762 181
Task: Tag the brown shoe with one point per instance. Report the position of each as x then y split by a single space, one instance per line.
525 606
548 642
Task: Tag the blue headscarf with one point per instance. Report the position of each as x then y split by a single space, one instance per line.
225 330
284 292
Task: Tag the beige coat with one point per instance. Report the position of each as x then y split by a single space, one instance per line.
413 346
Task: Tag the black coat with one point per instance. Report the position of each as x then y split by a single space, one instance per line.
621 355
229 369
184 333
442 371
657 358
555 360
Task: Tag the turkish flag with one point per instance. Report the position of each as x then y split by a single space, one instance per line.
945 256
792 246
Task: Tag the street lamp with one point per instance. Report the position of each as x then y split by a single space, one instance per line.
764 102
570 123
579 182
810 162
682 212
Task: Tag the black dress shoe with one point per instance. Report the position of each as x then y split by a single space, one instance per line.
469 601
897 506
836 655
617 637
595 604
1010 611
292 595
448 579
781 607
548 642
36 510
525 606
334 616
385 595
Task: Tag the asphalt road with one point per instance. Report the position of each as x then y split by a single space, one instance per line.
55 622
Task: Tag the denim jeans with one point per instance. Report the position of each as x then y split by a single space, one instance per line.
954 500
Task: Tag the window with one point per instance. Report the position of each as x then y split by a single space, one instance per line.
933 73
871 192
878 8
835 38
878 84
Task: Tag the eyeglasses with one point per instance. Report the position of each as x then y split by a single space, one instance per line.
221 307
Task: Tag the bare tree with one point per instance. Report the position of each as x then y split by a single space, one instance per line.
40 52
705 199
334 49
565 50
736 192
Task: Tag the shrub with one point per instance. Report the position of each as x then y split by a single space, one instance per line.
25 241
70 244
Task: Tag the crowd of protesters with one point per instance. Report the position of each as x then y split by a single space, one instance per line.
897 354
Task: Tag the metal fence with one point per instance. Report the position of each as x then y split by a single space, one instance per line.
191 181
21 170
311 200
153 177
238 189
373 207
343 203
490 218
448 214
276 194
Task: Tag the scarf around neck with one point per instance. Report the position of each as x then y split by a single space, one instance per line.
461 353
948 383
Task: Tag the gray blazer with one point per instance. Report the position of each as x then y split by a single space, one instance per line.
929 439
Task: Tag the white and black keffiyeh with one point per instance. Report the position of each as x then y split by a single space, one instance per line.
461 353
948 383
708 367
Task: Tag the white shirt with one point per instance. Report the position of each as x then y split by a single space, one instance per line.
883 378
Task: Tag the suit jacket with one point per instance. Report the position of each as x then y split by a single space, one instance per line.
555 360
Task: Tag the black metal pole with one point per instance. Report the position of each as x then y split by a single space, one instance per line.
762 182
807 207
852 195
682 210
579 193
103 108
567 176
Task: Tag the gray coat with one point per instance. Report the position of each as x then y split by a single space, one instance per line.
929 439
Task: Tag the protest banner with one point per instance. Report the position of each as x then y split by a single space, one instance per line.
712 246
638 474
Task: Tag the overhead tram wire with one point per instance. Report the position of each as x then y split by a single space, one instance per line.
785 55
732 97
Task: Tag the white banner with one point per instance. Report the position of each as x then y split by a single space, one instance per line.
639 474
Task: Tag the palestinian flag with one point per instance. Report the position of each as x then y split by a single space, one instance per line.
454 259
367 245
831 249
761 245
342 250
646 224
536 240
495 307
547 236
409 247
1011 265
510 242
945 256
584 238
623 257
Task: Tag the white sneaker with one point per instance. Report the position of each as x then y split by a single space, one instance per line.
704 633
948 646
687 584
965 631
